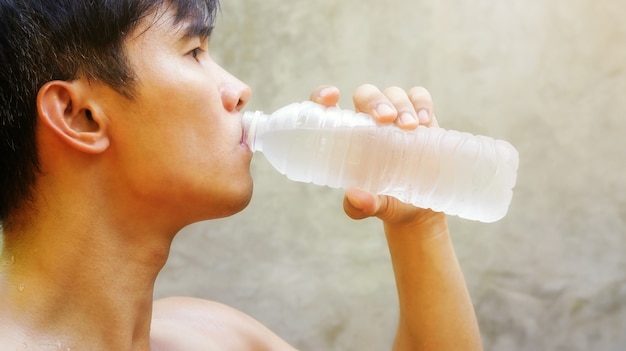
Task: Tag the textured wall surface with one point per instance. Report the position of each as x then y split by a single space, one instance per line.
549 76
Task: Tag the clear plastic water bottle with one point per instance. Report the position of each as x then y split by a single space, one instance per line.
448 171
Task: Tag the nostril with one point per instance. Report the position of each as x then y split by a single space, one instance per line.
240 104
244 96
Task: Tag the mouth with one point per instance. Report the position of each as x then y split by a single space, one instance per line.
247 128
244 136
243 140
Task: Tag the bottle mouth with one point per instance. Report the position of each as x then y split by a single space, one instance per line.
249 123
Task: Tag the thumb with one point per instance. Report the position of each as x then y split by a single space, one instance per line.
359 204
326 95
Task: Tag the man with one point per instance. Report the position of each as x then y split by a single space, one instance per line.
117 131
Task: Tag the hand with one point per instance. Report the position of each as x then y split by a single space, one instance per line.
393 105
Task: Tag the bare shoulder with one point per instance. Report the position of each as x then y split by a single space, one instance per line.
184 323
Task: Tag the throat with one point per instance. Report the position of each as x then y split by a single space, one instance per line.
87 296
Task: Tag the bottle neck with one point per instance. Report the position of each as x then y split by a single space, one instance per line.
253 124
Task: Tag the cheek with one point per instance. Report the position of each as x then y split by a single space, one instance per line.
175 84
185 169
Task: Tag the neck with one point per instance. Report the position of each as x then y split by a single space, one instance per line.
81 280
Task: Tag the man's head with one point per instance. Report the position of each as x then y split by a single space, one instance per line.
43 41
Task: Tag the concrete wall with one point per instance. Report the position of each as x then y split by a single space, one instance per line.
549 76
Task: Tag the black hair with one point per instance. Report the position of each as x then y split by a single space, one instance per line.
46 40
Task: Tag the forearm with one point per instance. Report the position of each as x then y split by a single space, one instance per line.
436 311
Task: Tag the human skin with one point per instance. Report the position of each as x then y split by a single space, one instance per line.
120 177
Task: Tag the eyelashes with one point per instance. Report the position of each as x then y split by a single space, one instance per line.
197 53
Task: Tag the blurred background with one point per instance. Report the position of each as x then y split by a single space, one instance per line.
548 76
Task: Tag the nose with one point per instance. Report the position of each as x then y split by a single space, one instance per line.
235 94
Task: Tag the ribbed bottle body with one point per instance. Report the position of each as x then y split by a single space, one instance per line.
457 173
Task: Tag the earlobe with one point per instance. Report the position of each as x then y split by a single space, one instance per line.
65 109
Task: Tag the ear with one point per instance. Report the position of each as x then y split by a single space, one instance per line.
65 108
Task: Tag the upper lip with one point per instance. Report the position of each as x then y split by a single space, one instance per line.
243 137
243 131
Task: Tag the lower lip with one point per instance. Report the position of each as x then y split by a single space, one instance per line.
242 140
245 147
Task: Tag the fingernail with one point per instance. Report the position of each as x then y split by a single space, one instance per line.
355 202
408 118
356 198
385 110
423 116
325 92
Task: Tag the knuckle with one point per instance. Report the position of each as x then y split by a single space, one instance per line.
394 90
419 93
367 96
384 210
366 92
397 95
367 89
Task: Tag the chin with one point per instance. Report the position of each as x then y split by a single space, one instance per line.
238 205
228 203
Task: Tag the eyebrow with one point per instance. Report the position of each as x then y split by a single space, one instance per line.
196 29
